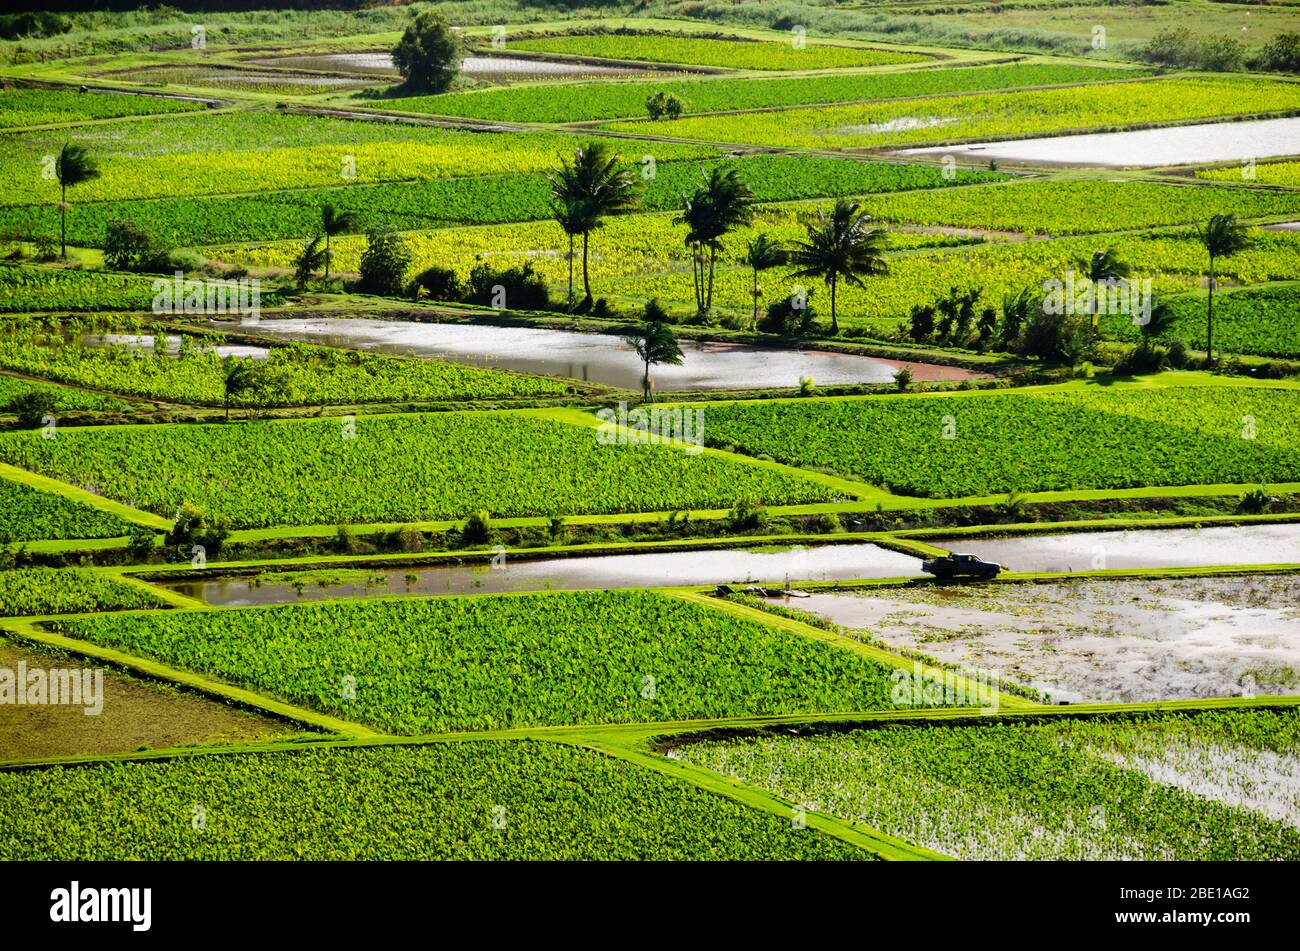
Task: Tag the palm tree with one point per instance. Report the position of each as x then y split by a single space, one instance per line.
335 222
74 165
720 205
238 378
841 246
1222 237
595 181
309 259
1103 267
761 254
573 216
655 343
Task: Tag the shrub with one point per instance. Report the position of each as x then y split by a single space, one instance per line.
132 247
515 288
384 263
478 529
1281 54
789 317
903 378
1255 502
439 283
194 527
747 513
32 407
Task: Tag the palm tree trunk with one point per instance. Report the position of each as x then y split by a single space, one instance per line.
1209 319
63 222
697 278
570 304
645 384
227 406
586 275
835 324
327 257
755 320
713 257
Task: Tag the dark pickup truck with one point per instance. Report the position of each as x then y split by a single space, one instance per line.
959 565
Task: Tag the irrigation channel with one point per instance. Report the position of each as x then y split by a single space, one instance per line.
592 357
774 567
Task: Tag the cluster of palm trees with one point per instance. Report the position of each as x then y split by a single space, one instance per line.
839 247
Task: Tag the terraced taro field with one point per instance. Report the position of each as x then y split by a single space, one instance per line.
377 426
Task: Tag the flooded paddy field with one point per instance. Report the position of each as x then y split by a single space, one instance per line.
1097 640
774 567
594 357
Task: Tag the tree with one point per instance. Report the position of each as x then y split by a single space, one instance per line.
594 181
238 376
310 259
384 263
574 217
427 55
1281 54
334 222
1103 269
664 105
73 166
1222 237
762 254
841 246
718 206
33 407
655 343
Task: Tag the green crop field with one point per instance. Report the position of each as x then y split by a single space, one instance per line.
30 107
941 119
1078 439
470 199
58 289
67 591
193 156
427 666
27 514
1155 789
549 802
1263 320
393 468
586 103
66 399
294 375
1285 174
721 52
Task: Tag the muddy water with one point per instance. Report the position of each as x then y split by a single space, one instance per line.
1143 148
1098 640
1148 548
658 569
490 68
596 358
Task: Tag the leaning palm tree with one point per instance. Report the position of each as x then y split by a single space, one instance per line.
572 215
1222 237
1104 267
74 165
695 215
720 205
761 254
655 343
312 257
842 246
335 222
594 180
